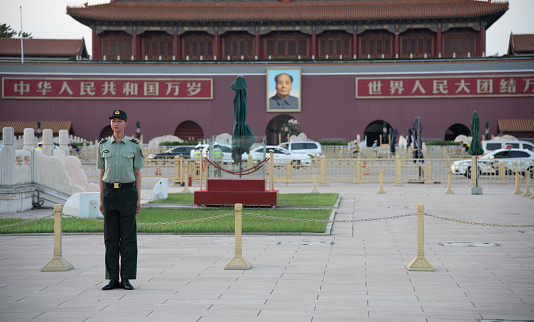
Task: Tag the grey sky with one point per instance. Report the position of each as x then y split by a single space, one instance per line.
48 19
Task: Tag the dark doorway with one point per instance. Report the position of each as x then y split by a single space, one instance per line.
455 130
374 130
189 131
273 128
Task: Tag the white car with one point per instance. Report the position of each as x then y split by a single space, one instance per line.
514 159
310 148
281 156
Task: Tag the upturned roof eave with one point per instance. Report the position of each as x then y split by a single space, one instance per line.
490 19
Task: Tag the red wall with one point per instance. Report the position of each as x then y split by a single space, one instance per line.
329 110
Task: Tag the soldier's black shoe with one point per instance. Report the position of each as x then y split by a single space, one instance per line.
111 285
126 285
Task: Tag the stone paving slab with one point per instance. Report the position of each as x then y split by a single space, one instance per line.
358 272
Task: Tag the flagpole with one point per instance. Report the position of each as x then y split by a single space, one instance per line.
21 38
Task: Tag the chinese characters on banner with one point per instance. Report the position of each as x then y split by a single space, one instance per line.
106 88
444 87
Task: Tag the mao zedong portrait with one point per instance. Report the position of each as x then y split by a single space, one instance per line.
282 100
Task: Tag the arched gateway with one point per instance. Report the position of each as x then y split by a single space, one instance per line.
273 128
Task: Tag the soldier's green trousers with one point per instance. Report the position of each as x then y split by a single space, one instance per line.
120 232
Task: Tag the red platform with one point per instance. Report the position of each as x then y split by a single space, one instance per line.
231 191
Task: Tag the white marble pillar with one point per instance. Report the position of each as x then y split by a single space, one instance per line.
29 140
7 158
48 142
64 141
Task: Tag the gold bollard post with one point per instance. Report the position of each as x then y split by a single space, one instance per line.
323 171
358 172
473 170
502 173
527 192
428 169
516 191
57 263
314 181
381 190
420 263
238 262
271 170
449 190
178 171
398 177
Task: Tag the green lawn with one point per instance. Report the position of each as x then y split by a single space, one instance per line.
165 219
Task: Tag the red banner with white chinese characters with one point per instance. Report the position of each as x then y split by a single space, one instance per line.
107 88
444 87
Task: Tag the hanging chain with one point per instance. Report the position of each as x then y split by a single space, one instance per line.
476 223
280 218
160 223
184 221
26 222
328 221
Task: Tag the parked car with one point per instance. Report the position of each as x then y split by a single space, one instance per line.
281 156
182 150
522 160
492 145
226 150
310 148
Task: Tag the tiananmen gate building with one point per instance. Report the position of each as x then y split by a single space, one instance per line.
354 65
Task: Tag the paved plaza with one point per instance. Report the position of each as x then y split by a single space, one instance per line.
356 272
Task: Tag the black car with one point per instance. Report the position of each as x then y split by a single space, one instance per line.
182 150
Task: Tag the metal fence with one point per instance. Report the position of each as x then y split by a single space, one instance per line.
360 169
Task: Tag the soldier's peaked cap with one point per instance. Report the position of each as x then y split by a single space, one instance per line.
119 113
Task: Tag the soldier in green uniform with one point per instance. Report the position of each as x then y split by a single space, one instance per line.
120 161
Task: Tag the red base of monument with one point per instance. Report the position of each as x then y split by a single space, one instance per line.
229 192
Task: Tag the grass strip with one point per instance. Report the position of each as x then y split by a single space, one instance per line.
169 216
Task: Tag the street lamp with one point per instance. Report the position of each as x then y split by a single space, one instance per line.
39 131
138 130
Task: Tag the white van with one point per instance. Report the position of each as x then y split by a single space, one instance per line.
493 145
310 148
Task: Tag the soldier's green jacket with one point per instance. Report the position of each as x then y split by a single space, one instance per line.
119 159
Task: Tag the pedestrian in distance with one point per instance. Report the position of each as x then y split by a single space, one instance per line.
120 160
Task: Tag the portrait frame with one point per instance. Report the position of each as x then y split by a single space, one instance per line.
274 103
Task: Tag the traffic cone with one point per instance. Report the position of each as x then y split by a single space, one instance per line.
367 172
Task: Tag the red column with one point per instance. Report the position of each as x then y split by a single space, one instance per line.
438 43
355 44
94 41
314 44
482 41
216 45
134 45
396 51
175 45
99 54
258 45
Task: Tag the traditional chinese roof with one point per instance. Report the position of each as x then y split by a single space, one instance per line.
279 13
516 125
19 126
521 44
57 48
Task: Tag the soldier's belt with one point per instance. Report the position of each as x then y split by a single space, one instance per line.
118 185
